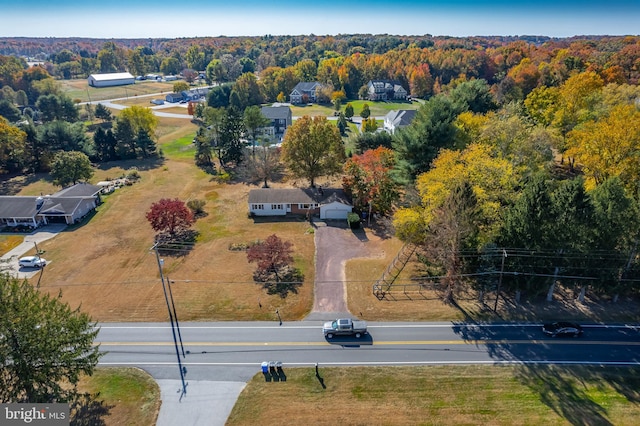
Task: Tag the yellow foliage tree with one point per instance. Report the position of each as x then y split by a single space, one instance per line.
491 177
609 147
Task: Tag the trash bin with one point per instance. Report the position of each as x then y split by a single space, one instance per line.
265 367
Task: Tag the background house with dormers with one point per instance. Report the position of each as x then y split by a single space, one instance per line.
328 203
68 206
304 92
386 90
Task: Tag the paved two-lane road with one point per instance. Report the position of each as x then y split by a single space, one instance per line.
234 351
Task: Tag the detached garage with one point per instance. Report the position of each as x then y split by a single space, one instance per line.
111 79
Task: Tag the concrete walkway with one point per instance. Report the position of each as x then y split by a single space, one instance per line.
205 403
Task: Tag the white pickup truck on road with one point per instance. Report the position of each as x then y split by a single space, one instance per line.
344 327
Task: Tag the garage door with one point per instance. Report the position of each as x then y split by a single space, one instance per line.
335 214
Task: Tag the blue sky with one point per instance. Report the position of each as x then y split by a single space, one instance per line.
171 19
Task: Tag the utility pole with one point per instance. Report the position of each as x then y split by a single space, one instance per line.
175 315
173 330
504 256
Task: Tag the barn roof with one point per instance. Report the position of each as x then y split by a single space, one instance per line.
112 76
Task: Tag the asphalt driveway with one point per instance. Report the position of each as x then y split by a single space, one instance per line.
335 244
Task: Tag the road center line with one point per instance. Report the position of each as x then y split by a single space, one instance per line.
382 343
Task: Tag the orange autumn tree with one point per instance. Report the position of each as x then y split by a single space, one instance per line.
367 179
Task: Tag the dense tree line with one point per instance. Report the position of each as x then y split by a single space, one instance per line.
512 66
545 188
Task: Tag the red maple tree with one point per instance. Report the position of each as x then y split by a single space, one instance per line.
272 254
170 216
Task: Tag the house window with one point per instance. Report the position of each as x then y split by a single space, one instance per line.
258 207
276 206
304 206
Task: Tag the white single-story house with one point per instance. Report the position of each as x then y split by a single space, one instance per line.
111 79
68 206
327 203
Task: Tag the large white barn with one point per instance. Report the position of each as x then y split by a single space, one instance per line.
111 79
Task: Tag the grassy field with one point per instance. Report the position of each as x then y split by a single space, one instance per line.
376 108
106 264
127 396
80 89
443 395
9 242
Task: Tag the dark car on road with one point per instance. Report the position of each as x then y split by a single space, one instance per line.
562 329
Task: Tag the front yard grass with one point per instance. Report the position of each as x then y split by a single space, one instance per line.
130 396
379 108
443 395
9 242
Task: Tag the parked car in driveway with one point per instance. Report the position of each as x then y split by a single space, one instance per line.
32 262
562 329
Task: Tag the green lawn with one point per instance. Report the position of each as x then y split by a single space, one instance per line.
127 396
79 89
180 149
443 395
376 108
379 109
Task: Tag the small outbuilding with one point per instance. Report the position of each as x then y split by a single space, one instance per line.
111 79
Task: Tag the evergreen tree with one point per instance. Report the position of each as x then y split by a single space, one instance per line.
348 111
145 144
366 112
418 144
105 145
125 139
203 156
231 146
